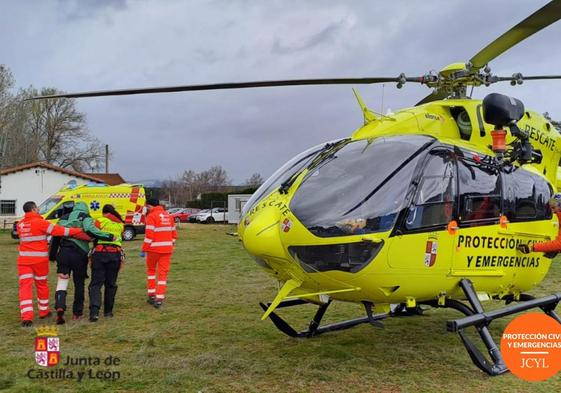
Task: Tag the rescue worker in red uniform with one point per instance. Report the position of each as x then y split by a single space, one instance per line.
33 260
553 246
159 242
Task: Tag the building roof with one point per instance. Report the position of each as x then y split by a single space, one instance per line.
45 165
111 179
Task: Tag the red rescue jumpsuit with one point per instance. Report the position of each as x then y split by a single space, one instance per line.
552 245
33 261
158 244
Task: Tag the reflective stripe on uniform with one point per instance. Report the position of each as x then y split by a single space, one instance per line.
66 231
162 282
164 229
33 253
147 240
43 308
50 228
151 277
148 227
24 276
33 238
160 296
26 309
151 291
162 244
40 278
43 301
24 302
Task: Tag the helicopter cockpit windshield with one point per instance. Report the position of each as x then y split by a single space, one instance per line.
359 188
287 171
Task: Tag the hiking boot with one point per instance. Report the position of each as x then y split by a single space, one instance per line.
151 300
157 304
94 315
50 313
77 317
26 323
60 316
108 315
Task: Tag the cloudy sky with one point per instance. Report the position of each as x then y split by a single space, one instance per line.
84 45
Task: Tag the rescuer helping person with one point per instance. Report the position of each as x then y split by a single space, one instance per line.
107 260
159 241
72 259
33 260
552 246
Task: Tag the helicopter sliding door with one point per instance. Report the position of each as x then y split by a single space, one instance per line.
500 209
422 244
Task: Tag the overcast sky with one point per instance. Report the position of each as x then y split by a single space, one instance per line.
86 45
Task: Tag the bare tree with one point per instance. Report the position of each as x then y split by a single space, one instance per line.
6 83
255 180
51 130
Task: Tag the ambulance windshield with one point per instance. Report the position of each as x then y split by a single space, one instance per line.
359 188
48 205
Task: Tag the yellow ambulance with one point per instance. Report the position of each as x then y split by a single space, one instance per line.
129 200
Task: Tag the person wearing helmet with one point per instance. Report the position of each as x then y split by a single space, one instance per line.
464 123
552 246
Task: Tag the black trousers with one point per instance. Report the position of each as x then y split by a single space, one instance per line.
72 260
105 269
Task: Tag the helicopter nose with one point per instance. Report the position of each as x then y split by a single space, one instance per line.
261 237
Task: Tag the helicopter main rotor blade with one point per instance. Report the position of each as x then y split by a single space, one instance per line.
528 78
234 85
434 96
548 14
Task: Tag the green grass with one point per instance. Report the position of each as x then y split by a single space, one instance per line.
208 337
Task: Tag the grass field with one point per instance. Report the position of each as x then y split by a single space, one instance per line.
208 337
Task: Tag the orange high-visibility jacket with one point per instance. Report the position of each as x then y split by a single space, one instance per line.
160 232
33 231
550 246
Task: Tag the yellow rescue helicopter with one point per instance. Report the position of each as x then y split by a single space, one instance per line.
424 206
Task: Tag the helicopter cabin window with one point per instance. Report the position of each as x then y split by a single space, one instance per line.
359 188
526 196
436 192
463 121
480 192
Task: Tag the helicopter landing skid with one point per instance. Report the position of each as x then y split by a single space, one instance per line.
480 319
314 328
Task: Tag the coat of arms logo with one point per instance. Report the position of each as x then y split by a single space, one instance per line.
47 346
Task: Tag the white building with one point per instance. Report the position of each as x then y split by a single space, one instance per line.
33 182
236 203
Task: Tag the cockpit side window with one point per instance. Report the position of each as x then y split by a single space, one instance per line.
526 196
436 193
480 193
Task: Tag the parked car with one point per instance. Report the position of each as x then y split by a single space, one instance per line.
174 210
217 214
195 217
182 215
